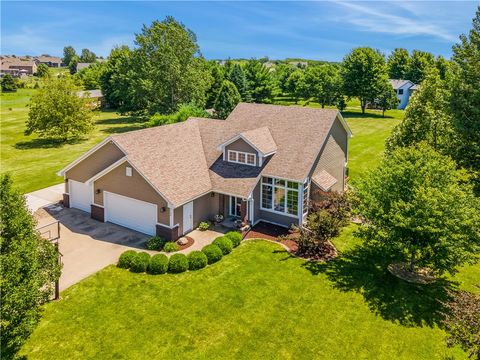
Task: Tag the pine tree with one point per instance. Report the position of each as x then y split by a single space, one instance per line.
227 99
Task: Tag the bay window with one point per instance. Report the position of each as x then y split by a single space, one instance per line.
279 195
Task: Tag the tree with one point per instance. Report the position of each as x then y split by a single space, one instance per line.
387 98
442 66
170 66
217 80
184 112
398 64
90 76
462 322
421 63
282 73
227 99
237 77
464 101
42 70
57 112
296 85
8 83
323 83
416 206
72 66
363 71
259 81
426 118
88 56
68 54
29 269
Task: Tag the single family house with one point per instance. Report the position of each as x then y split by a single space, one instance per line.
404 89
263 163
94 98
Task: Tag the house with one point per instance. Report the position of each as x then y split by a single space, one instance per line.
81 66
263 163
50 61
17 67
404 89
95 98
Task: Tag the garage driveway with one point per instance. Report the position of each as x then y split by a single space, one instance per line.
87 245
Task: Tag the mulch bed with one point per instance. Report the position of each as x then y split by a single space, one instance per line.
419 276
187 245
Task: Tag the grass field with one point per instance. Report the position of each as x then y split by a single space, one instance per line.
256 303
33 162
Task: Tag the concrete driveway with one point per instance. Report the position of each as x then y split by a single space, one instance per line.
87 245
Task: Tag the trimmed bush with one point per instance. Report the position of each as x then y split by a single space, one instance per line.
171 246
155 243
224 243
158 264
125 260
213 253
203 226
197 260
178 263
235 237
140 262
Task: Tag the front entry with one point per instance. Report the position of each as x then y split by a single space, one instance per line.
188 217
236 206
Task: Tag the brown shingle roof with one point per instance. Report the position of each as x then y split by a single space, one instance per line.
324 180
261 138
182 160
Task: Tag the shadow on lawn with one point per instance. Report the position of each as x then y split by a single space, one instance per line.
129 123
45 143
354 114
364 270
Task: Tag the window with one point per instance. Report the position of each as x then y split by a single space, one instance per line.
400 91
242 157
280 196
305 197
128 171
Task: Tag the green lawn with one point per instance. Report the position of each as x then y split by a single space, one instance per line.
257 302
33 162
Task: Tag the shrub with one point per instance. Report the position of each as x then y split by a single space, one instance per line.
125 260
158 264
203 226
170 246
197 260
235 237
140 262
213 253
178 263
224 243
155 243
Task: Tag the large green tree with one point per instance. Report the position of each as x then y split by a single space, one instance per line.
426 118
464 102
68 54
398 64
238 78
90 76
88 56
8 83
259 81
421 63
323 83
415 204
42 70
57 112
29 269
171 67
281 74
387 98
227 99
218 76
295 85
363 71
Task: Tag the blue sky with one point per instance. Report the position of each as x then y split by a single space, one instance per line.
324 30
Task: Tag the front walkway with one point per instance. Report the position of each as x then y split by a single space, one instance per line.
44 197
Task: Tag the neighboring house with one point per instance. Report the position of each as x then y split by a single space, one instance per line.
17 67
404 89
95 98
81 66
262 163
50 61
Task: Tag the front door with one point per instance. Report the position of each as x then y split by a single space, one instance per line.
187 217
236 206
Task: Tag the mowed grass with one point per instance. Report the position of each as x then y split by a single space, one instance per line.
33 162
256 303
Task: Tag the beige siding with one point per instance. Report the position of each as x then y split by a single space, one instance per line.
134 186
204 208
333 155
241 145
178 219
95 162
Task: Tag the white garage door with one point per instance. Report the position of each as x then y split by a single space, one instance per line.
131 213
80 195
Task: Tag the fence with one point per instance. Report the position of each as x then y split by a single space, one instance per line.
51 232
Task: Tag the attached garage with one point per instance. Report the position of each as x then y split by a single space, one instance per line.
81 195
131 213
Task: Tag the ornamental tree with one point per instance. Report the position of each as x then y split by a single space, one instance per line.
29 269
57 112
415 204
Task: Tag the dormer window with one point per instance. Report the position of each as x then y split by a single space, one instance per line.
241 157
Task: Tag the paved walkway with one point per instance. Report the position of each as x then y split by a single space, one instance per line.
44 197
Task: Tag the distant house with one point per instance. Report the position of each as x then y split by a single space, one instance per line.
17 67
50 61
95 98
81 66
404 89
